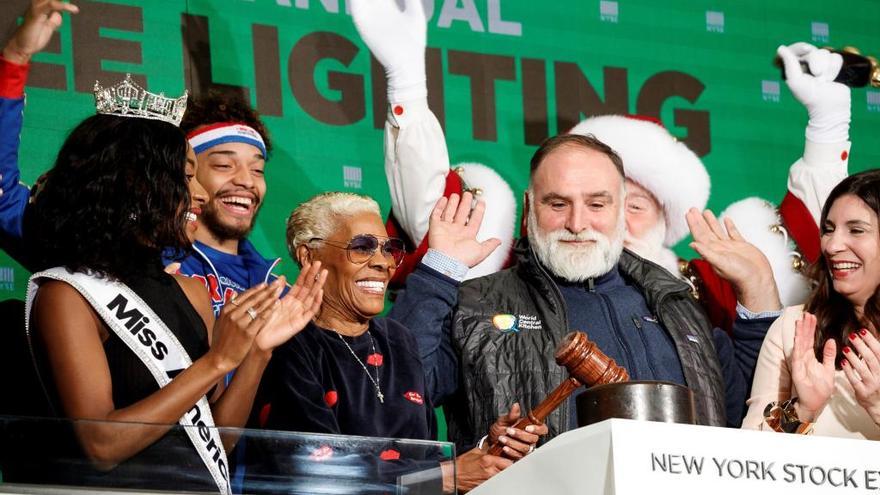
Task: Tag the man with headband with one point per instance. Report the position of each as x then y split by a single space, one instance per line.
232 145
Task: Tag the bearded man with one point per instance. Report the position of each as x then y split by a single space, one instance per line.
232 146
573 273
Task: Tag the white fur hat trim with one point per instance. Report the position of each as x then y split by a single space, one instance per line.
658 162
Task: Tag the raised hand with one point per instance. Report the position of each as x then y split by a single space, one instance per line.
827 102
41 21
861 365
735 260
813 381
397 39
295 310
239 323
453 229
517 443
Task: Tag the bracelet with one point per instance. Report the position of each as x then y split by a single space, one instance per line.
782 417
482 441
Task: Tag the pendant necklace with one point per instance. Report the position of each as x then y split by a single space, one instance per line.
375 381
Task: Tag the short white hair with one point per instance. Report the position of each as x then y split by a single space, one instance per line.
320 216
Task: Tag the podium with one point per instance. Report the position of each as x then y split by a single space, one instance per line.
625 457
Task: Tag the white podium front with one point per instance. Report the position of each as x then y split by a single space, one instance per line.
624 457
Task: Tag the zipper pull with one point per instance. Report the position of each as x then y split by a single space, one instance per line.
591 285
636 322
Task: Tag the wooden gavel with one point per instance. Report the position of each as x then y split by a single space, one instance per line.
586 365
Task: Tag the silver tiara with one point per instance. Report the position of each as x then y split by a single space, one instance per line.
127 99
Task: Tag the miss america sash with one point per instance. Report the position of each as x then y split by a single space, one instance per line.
132 320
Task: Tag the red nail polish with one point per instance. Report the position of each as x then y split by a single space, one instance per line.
863 332
852 336
846 350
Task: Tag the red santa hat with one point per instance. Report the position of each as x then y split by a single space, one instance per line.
657 161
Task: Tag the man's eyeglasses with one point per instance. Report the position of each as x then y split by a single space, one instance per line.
362 247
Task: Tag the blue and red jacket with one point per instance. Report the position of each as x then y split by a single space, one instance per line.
227 274
14 198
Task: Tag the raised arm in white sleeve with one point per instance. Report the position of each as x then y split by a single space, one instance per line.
416 164
416 159
826 152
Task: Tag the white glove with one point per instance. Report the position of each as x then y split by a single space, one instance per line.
397 39
827 102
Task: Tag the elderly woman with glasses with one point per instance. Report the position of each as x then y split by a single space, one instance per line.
352 372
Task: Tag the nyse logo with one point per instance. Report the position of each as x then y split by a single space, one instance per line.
7 278
770 90
608 11
352 177
873 98
714 21
820 32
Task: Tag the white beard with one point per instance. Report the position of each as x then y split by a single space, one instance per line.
575 263
650 246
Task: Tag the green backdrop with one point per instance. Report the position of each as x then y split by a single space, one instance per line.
503 74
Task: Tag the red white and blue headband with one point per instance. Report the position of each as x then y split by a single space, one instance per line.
225 132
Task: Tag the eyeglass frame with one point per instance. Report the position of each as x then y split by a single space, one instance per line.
380 246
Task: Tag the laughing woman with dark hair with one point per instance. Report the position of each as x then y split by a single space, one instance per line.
819 367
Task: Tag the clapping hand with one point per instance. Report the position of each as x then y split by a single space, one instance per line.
453 229
735 260
41 21
814 381
862 368
295 310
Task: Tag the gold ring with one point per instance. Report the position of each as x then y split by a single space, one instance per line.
252 313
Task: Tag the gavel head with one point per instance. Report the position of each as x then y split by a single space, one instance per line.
585 362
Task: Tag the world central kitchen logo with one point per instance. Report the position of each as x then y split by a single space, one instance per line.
514 323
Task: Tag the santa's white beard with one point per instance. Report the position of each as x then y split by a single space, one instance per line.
575 263
650 246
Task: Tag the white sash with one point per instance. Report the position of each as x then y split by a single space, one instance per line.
133 321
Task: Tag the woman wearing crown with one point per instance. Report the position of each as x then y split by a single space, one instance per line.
116 339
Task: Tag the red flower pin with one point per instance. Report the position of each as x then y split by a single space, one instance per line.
389 455
375 359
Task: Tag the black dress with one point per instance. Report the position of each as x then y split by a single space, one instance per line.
171 462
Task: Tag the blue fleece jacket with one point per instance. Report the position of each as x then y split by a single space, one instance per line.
616 316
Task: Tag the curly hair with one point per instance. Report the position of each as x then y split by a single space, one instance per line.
114 200
835 315
223 107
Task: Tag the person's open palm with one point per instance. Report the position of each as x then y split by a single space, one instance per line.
453 229
41 21
296 309
814 381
